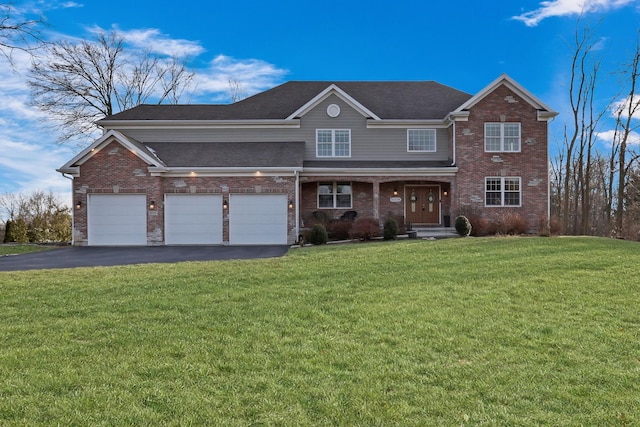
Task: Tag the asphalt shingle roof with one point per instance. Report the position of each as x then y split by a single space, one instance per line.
229 154
388 100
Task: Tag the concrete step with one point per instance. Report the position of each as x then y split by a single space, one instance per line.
435 232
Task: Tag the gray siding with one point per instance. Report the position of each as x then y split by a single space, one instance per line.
366 144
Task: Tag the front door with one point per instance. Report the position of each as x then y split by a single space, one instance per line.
422 204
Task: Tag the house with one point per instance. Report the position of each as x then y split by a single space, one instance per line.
256 171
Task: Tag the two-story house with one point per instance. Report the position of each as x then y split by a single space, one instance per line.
256 171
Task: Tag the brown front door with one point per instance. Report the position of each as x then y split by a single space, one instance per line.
422 204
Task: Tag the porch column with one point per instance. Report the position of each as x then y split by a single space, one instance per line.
376 200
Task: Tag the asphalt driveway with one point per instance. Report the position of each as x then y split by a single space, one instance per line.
93 256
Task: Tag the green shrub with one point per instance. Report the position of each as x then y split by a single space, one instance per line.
16 232
463 226
390 229
318 235
365 229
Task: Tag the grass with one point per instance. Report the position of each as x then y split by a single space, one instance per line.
17 249
464 332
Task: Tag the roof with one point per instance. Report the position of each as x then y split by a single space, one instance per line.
229 154
411 100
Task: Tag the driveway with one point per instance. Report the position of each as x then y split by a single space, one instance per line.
94 256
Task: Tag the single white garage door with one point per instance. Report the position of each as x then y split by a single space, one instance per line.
258 219
117 219
193 219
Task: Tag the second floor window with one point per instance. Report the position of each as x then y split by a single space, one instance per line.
502 137
333 143
421 140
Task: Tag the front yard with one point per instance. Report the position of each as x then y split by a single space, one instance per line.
484 331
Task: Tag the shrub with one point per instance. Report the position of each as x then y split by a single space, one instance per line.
390 229
365 229
463 226
16 231
479 225
318 235
511 223
339 230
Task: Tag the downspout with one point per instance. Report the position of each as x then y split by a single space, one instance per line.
454 144
297 206
73 212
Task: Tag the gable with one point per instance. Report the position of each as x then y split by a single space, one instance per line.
544 113
72 167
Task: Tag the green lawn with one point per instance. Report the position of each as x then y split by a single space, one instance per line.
16 249
458 332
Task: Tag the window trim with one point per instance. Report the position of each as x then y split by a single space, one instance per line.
334 193
503 191
502 137
333 143
435 140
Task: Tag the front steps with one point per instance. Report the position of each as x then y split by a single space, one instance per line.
435 232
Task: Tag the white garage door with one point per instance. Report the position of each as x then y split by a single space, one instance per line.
256 219
193 219
117 219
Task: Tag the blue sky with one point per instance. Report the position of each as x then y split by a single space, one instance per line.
464 44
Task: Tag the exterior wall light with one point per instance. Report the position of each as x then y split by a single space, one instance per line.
152 205
290 204
78 204
395 191
445 193
225 204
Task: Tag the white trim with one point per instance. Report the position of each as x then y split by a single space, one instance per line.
405 172
221 171
502 136
435 141
72 166
404 124
502 191
333 90
201 124
545 115
333 143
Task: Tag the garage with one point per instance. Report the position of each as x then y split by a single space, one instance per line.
258 219
193 219
117 219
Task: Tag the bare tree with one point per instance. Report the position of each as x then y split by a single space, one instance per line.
625 113
18 32
79 83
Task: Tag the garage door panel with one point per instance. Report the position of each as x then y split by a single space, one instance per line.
257 219
117 219
193 219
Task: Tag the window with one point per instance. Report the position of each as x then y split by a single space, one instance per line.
501 191
502 137
334 195
333 143
421 140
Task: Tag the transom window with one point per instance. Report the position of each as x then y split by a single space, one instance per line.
333 142
502 137
332 195
502 191
421 140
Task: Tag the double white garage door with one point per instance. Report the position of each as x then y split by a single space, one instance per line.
190 219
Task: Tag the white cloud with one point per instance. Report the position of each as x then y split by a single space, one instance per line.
610 137
553 8
626 105
252 75
152 39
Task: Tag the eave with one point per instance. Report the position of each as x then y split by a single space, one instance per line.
404 124
404 172
201 124
184 172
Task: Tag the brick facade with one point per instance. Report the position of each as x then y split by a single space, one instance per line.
531 164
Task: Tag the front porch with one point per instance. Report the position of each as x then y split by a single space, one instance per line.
411 202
